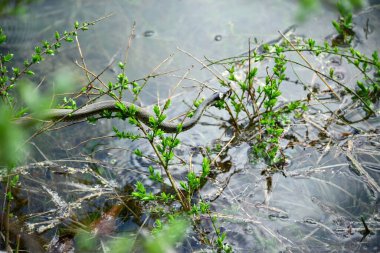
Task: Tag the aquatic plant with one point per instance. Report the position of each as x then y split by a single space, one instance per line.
344 25
257 115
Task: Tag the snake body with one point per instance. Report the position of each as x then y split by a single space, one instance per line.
142 115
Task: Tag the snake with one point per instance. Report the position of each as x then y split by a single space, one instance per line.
70 115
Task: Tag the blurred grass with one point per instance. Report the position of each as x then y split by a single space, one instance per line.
306 7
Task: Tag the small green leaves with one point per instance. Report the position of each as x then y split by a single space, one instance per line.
157 226
69 39
337 26
45 48
29 72
193 181
343 25
184 186
167 104
141 193
85 26
69 103
190 114
266 48
14 180
16 71
153 122
375 57
311 43
37 50
36 58
122 79
331 73
106 114
223 247
205 167
3 37
133 121
243 86
110 86
252 73
138 152
136 88
57 45
179 127
50 51
157 110
198 102
121 106
166 197
201 208
125 135
92 120
7 57
154 175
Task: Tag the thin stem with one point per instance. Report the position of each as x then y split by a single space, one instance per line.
310 66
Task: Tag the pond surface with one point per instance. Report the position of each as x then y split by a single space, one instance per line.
316 207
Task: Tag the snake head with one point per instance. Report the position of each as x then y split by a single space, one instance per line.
224 95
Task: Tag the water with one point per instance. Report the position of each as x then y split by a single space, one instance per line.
315 208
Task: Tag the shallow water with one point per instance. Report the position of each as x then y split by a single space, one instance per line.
315 208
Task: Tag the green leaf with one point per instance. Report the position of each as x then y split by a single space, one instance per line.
152 121
198 102
133 121
46 44
7 58
179 128
184 186
37 50
140 187
121 106
361 86
266 48
157 110
29 72
3 38
375 56
161 118
252 73
311 43
16 71
337 26
151 170
36 58
331 73
69 39
205 167
92 119
167 104
14 181
50 52
138 152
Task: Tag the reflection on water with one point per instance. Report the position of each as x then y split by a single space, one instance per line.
315 207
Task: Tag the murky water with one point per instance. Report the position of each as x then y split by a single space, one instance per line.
318 205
